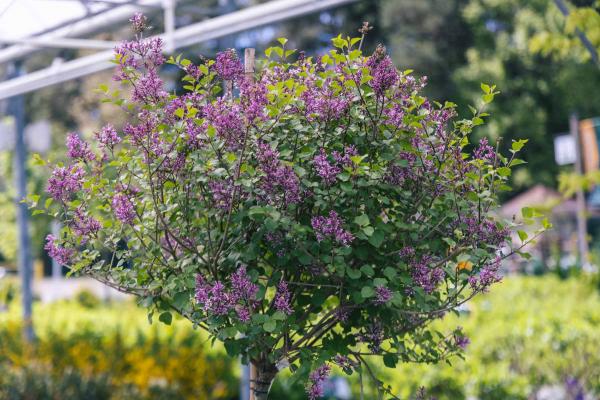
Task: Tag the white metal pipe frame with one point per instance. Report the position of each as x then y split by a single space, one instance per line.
238 21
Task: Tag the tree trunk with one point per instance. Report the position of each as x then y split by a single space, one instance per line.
262 376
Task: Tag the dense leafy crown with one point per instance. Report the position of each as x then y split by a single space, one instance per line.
317 211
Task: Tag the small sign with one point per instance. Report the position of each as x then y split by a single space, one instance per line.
564 149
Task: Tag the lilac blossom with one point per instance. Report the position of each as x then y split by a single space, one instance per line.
123 208
228 65
279 182
108 136
384 74
84 226
425 276
61 254
222 193
64 182
253 97
317 379
331 227
461 340
373 336
484 151
138 22
227 119
282 298
325 169
383 295
78 149
149 88
243 288
322 103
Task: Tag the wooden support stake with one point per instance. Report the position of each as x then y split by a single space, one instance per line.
249 60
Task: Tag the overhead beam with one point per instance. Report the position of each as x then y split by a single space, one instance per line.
81 28
248 18
63 43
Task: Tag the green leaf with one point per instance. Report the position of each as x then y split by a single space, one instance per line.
368 230
38 160
367 292
522 235
353 273
390 360
166 318
504 171
362 220
518 144
377 238
270 325
282 41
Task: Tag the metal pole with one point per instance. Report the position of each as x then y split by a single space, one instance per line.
245 383
169 18
582 244
17 109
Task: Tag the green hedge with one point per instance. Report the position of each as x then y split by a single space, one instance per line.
97 352
528 332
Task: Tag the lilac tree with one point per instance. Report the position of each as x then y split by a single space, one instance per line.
318 211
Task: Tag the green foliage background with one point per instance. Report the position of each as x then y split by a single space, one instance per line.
528 332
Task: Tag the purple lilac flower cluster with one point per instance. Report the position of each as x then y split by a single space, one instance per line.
84 226
317 379
484 151
253 98
488 275
108 136
61 254
282 298
400 172
136 54
485 231
331 227
382 70
123 208
138 22
78 149
322 103
382 295
425 276
228 65
65 181
149 88
227 118
460 339
327 170
279 182
222 193
373 336
215 299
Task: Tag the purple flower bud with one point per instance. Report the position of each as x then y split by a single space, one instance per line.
61 254
78 149
383 295
108 136
331 227
282 298
64 182
317 378
123 208
228 65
